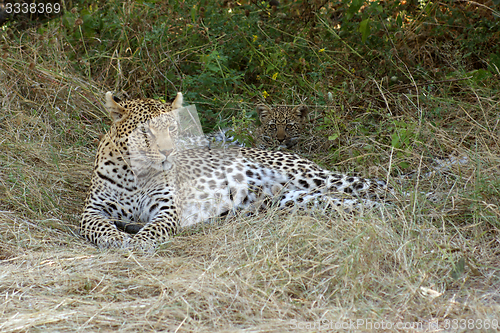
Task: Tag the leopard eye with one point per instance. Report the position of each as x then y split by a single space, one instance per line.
272 127
172 128
146 131
150 132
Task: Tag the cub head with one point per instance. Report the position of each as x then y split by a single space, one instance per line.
281 126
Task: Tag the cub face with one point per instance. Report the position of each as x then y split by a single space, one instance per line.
281 126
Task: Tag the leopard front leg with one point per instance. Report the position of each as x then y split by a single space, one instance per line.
156 232
98 221
102 231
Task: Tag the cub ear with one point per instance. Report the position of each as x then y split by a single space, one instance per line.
177 103
116 111
263 111
301 111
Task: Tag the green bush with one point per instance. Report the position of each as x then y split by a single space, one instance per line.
223 57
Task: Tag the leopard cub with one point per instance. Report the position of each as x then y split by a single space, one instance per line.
281 126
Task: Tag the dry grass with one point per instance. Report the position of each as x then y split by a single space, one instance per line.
419 261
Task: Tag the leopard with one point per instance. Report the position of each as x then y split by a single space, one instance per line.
145 188
281 126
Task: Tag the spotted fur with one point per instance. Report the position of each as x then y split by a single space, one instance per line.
144 188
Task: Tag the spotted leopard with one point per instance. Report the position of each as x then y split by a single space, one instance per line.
145 189
280 128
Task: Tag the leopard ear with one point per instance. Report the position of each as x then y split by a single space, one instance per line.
301 111
263 111
116 111
177 103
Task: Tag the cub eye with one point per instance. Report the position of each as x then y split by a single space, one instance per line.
172 128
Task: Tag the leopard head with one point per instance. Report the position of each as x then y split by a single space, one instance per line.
143 130
281 126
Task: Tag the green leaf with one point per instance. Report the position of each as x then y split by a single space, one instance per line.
458 269
395 140
404 165
193 14
480 74
333 137
494 63
354 8
399 21
364 28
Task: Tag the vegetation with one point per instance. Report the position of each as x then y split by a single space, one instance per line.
400 90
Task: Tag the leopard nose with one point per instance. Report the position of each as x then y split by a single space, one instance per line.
280 135
166 152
